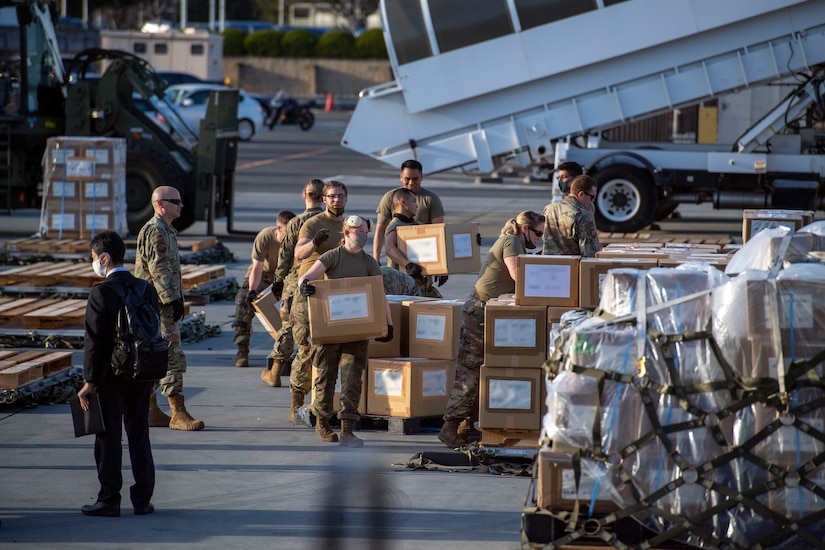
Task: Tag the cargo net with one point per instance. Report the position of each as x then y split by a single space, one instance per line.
695 401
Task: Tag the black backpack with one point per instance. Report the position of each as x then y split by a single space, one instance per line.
141 352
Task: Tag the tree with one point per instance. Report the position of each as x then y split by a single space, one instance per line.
354 11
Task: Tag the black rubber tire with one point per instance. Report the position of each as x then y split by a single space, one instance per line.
146 170
627 201
306 120
246 129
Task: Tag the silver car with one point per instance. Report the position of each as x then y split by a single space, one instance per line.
190 100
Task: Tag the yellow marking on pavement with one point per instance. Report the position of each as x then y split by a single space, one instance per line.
294 156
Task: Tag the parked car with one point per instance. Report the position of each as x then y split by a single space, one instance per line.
190 101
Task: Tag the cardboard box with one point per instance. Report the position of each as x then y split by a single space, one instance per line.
547 280
434 328
554 314
754 221
268 311
409 387
393 347
592 272
442 248
347 310
556 485
618 254
514 336
336 398
511 398
403 330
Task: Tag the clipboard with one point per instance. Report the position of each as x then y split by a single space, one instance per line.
87 422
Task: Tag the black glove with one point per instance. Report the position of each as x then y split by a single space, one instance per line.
386 338
441 279
252 295
307 289
277 289
177 309
478 239
320 237
414 270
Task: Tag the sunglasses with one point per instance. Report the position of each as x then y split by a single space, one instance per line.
177 202
592 197
538 233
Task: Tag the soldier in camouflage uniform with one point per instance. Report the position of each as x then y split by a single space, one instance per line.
497 277
570 225
259 276
286 277
158 262
398 284
317 235
349 358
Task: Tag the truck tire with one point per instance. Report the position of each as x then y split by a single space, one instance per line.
146 170
246 129
627 200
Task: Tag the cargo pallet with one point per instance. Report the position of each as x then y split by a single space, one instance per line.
81 246
398 425
18 368
46 313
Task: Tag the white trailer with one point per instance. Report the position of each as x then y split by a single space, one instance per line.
483 84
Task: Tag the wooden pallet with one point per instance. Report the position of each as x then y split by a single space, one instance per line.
510 438
695 238
80 275
193 244
65 313
397 425
53 245
18 368
11 313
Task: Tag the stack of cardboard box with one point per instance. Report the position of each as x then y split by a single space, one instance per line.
84 187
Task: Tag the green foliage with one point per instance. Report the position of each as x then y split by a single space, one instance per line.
337 44
370 45
265 43
233 42
299 43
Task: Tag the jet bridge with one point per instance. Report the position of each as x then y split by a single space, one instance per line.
479 84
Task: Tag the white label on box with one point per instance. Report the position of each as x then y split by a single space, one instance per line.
547 281
96 189
602 277
63 189
63 221
434 383
510 394
348 306
462 245
101 155
60 155
803 311
430 327
586 486
514 333
80 168
761 225
97 221
423 250
389 382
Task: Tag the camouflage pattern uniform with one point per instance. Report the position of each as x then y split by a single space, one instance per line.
463 402
398 284
569 229
287 272
347 360
424 282
158 262
244 310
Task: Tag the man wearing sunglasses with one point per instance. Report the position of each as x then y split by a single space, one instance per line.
158 262
570 227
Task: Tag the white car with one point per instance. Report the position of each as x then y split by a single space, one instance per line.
190 101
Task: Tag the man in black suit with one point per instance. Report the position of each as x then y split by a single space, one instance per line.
124 402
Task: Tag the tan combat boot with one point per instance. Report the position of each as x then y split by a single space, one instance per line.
449 435
349 439
181 419
324 430
272 375
157 418
242 357
467 428
297 402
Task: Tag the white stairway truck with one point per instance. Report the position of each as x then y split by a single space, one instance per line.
480 84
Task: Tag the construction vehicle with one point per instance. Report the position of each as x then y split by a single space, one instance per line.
37 102
519 84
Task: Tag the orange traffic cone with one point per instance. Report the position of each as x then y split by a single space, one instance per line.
330 105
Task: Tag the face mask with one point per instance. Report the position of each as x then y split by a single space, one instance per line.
528 244
100 270
360 239
335 211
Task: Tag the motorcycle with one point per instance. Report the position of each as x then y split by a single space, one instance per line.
289 111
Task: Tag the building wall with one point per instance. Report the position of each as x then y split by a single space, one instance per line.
305 76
